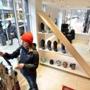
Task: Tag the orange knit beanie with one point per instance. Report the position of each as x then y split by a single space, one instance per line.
27 37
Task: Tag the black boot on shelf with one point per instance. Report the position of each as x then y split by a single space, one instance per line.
42 29
49 45
42 44
51 61
73 66
63 48
55 46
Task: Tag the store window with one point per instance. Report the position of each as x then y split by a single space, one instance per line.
16 11
4 2
22 12
76 19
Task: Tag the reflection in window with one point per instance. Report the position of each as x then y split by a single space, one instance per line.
0 16
4 2
76 19
10 3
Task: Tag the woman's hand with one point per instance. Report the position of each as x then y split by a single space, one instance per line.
20 66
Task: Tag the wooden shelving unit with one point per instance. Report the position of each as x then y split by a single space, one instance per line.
82 68
46 56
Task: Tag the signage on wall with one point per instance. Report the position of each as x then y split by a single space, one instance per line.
67 88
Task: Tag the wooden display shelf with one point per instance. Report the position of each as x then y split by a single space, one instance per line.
58 56
45 33
46 37
49 22
68 70
52 51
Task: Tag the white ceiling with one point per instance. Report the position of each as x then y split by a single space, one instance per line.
68 3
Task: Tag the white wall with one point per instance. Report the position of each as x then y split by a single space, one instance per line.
34 5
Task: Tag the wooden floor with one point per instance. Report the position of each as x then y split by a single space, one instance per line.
52 79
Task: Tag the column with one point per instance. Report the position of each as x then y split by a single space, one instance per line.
34 6
59 19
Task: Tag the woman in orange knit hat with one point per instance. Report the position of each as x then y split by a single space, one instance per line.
29 59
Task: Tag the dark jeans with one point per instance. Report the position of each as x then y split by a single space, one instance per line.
31 78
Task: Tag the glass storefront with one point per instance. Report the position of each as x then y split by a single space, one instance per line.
77 19
17 12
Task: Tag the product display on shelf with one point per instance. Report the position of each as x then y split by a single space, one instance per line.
58 63
49 45
63 48
55 46
43 60
73 66
71 35
42 44
42 27
65 64
51 61
68 61
52 45
64 28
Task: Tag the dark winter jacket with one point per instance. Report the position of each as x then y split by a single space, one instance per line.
30 59
11 31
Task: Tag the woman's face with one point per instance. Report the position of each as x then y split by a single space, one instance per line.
25 45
